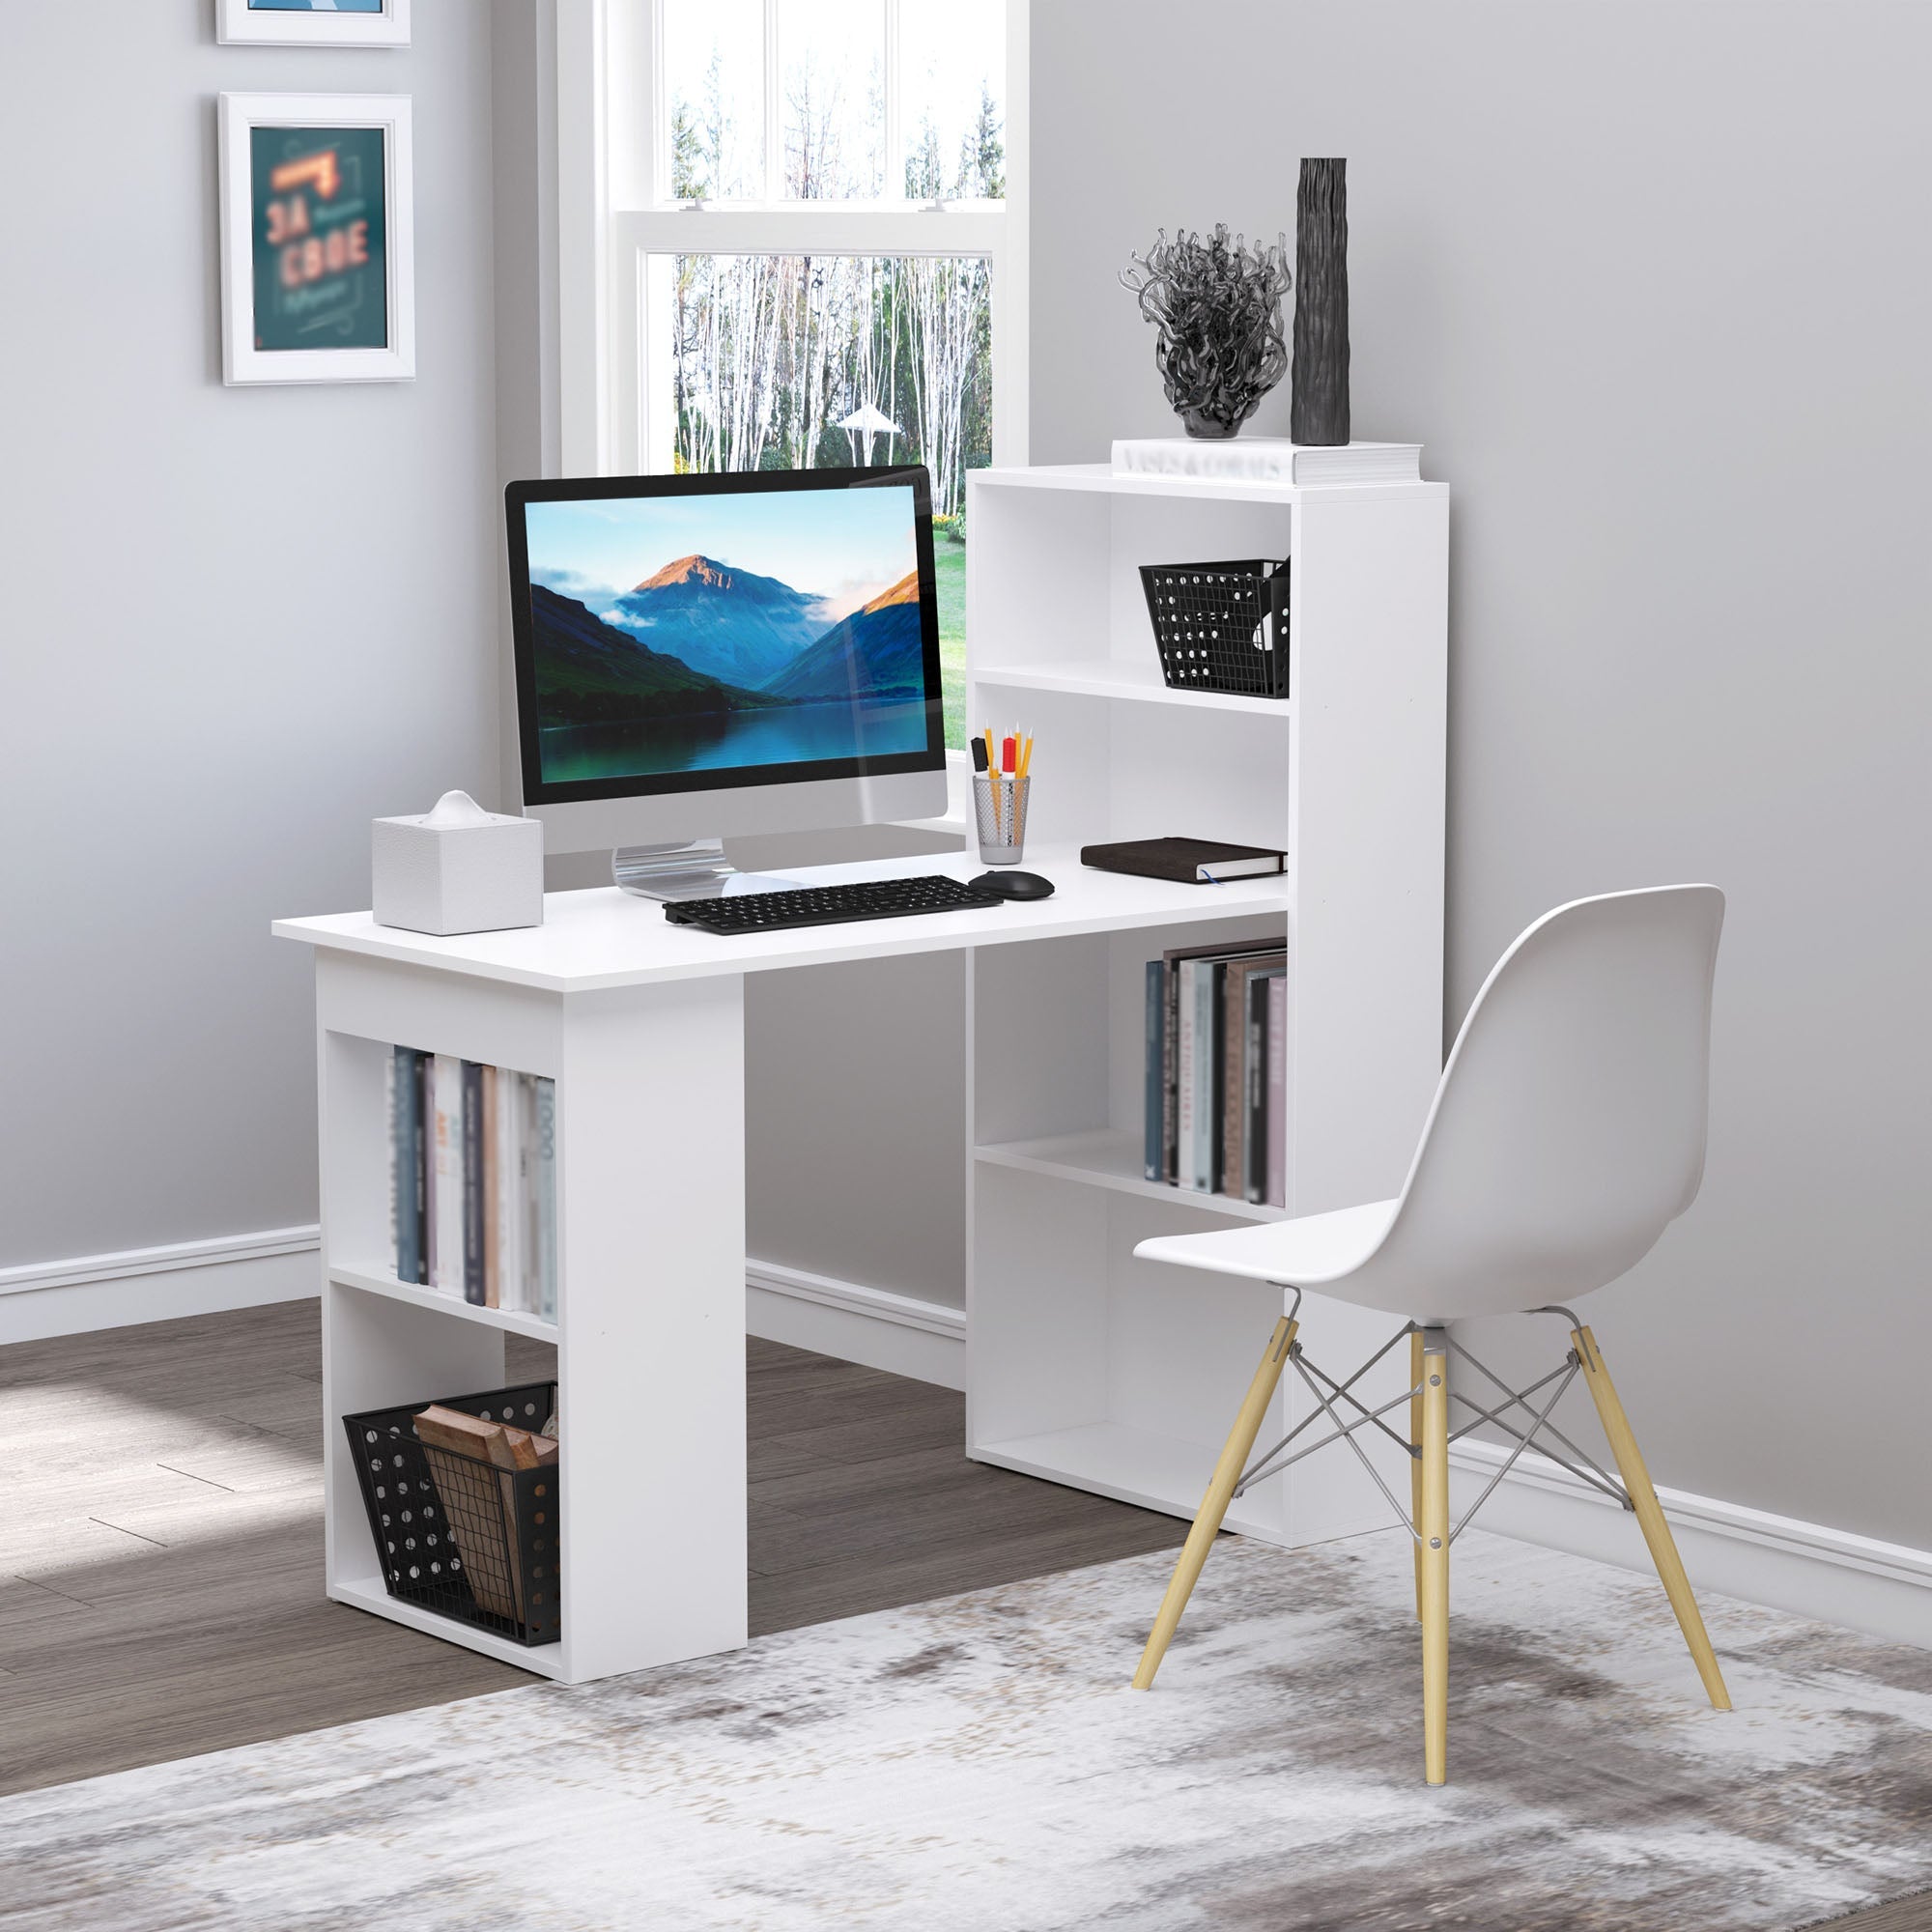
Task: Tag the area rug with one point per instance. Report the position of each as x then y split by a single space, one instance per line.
977 1764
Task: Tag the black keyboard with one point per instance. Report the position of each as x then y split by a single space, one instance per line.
827 906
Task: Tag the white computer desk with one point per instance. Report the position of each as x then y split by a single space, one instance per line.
641 1024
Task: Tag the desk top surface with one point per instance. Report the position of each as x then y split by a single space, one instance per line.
590 941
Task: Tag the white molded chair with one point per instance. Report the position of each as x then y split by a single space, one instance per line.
1566 1134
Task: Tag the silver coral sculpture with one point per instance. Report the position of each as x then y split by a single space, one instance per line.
1217 305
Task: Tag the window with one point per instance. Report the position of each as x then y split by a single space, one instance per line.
810 248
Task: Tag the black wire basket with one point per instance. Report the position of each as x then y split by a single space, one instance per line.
1221 626
457 1534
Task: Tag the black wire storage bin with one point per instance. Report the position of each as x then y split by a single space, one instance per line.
457 1534
1221 626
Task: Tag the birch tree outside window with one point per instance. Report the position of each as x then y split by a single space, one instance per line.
812 279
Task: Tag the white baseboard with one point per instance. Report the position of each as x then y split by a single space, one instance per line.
924 1340
90 1292
1883 1589
898 1332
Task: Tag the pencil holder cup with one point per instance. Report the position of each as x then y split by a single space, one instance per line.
999 806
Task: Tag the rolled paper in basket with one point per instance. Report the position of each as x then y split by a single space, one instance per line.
479 1504
479 1501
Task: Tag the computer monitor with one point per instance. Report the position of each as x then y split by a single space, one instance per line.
703 656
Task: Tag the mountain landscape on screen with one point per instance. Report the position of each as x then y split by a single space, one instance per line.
730 624
699 637
591 673
877 650
702 664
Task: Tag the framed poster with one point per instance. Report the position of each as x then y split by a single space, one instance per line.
317 258
313 23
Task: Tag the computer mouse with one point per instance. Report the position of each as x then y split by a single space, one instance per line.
1013 885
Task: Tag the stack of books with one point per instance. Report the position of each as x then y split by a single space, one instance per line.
1217 1071
472 1180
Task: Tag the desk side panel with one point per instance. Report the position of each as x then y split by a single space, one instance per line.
1370 672
651 1306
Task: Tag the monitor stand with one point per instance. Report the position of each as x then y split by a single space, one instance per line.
694 870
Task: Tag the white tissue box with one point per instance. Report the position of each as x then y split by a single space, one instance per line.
457 868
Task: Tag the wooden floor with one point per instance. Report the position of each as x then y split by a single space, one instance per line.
160 1539
160 1535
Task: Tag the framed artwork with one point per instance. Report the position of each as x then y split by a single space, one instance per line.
313 23
318 255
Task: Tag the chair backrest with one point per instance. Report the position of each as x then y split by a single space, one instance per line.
1567 1130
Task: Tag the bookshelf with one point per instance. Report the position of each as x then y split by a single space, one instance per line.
1085 1366
649 1334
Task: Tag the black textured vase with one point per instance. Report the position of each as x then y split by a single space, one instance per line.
1319 410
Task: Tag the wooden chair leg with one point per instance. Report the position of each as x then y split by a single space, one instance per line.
1214 1504
1650 1515
1432 1554
1415 1462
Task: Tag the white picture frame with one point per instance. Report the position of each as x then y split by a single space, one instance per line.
264 349
239 24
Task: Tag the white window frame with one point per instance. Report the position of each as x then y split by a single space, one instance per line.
617 229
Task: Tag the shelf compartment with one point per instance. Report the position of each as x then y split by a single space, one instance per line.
546 1659
1120 678
1132 1466
380 1281
1111 1157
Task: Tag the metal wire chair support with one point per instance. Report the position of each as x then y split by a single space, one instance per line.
1592 1472
1570 1375
1402 1443
1348 1432
1259 1467
1328 1392
1268 1467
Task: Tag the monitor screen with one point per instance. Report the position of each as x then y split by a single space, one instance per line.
689 632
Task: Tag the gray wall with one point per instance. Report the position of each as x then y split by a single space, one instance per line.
238 623
1651 282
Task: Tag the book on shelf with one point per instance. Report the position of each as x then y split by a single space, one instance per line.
473 1182
1153 1160
444 1174
1275 1154
502 1271
1268 459
1236 1085
527 1191
545 1257
492 1287
404 1080
1187 861
1214 1040
1194 1052
1258 1058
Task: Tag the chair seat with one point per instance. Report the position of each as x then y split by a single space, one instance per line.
1309 1251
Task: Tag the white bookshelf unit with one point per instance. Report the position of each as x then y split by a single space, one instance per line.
1084 1365
647 1090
